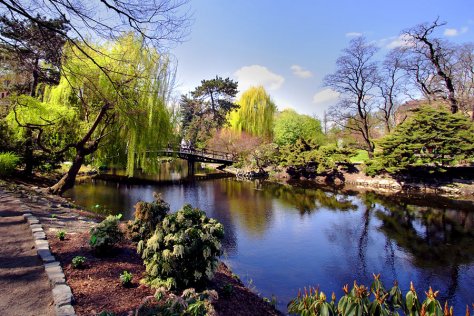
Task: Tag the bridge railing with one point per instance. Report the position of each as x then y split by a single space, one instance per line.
212 154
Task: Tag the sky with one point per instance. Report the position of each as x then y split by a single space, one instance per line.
289 46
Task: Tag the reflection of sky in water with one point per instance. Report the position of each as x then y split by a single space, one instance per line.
285 238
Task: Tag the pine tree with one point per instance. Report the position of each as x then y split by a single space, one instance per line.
430 136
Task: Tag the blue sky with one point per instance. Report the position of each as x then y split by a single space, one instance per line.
288 46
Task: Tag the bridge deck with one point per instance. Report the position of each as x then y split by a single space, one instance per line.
199 155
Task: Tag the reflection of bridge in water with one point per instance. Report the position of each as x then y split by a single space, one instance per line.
198 155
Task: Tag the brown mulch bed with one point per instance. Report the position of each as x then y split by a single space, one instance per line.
97 288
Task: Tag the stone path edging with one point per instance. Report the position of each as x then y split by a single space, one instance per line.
62 293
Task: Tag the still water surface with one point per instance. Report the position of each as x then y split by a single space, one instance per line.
279 238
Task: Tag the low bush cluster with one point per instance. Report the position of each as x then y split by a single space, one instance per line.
106 234
78 262
183 250
189 303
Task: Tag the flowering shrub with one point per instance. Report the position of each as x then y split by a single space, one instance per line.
183 250
358 301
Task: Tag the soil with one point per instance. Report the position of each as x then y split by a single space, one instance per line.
97 287
23 282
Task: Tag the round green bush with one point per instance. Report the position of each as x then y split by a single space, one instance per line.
106 234
183 250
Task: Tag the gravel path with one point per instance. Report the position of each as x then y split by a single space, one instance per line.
25 289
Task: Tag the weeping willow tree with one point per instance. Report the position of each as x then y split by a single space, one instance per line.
256 112
118 92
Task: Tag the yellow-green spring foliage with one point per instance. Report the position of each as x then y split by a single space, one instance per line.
8 163
131 78
147 217
376 300
183 250
255 115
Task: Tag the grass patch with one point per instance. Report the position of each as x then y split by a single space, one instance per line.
362 156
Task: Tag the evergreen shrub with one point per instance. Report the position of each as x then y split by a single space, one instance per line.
183 250
147 217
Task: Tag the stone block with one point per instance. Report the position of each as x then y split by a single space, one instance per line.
48 259
66 310
33 221
62 295
44 254
27 215
39 235
37 230
41 244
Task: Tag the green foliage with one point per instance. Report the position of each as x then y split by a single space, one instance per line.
361 156
358 301
291 126
8 163
328 156
147 217
78 262
61 234
324 157
126 78
126 278
183 249
255 115
106 234
190 303
430 136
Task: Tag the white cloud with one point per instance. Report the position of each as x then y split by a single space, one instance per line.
403 40
301 72
256 75
325 96
353 34
455 32
451 32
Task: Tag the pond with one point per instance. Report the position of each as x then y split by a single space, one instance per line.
281 238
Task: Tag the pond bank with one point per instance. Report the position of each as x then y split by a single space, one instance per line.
57 213
356 180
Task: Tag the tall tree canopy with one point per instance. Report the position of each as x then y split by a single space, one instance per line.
207 109
125 105
32 49
256 112
290 126
355 79
437 56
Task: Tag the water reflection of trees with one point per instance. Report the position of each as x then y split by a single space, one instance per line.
437 237
249 205
251 202
309 200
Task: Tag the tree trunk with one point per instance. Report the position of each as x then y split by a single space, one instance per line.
68 180
28 153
